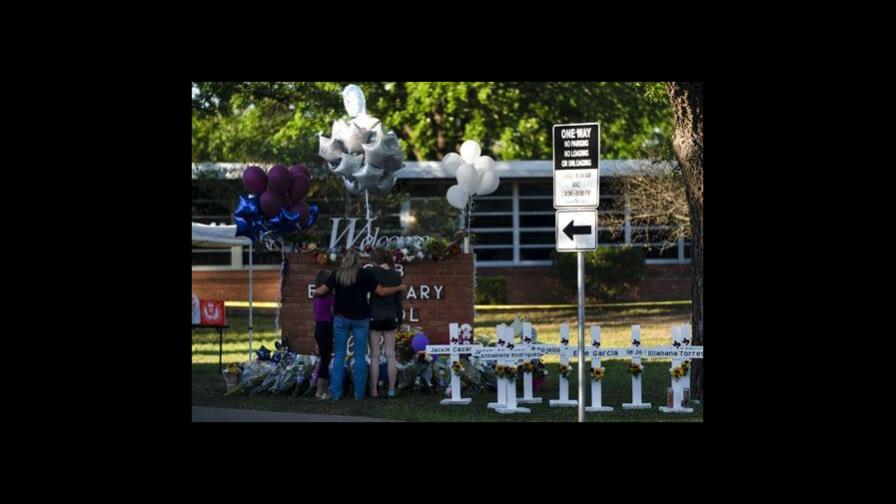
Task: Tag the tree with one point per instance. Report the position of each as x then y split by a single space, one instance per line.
686 99
278 122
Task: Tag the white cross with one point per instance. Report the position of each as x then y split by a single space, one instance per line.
506 355
565 353
636 379
595 364
454 349
685 351
529 339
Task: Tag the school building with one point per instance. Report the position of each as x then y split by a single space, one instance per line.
514 229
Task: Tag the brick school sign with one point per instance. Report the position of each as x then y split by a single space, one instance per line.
440 292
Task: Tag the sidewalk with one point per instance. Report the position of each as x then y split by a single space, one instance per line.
210 414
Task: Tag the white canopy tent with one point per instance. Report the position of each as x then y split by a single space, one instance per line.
225 236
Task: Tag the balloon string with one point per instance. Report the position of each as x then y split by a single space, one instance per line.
367 206
469 214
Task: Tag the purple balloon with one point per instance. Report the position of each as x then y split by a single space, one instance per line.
419 342
298 170
271 203
303 210
299 189
279 179
255 180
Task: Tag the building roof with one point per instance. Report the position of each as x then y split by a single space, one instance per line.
433 169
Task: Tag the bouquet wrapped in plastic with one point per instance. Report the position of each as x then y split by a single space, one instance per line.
252 375
418 374
268 383
302 378
286 380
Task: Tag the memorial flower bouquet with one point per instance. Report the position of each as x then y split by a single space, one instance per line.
232 376
488 380
634 369
677 372
598 374
510 373
403 337
500 370
457 368
564 370
253 373
685 366
527 367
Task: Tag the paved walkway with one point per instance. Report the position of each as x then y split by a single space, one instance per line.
210 414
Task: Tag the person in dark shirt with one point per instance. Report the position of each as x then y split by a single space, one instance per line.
386 312
353 284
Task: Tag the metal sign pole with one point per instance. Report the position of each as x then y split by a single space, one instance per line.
581 282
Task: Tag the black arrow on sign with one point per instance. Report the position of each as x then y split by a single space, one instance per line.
570 230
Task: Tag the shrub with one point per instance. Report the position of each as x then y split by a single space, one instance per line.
491 290
610 272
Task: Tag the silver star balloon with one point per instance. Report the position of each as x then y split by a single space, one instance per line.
330 149
385 184
381 150
353 187
393 162
360 151
368 176
348 165
339 127
354 137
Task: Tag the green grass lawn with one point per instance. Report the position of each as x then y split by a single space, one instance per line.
656 321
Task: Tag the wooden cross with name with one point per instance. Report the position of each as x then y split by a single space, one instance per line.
595 355
565 353
684 351
529 339
507 354
458 345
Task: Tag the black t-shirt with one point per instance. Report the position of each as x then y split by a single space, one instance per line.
351 301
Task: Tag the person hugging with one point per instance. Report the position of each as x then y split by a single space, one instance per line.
386 314
323 334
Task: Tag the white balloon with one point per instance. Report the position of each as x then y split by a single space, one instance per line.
451 162
484 163
479 174
470 150
489 183
467 178
353 99
457 197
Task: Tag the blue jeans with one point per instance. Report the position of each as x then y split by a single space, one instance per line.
359 328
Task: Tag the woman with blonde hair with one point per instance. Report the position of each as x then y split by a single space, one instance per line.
352 284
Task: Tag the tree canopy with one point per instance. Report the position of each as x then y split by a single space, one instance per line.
278 122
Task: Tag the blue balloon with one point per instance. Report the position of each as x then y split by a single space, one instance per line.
284 223
419 342
243 227
312 217
247 207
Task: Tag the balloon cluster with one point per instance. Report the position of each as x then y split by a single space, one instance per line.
275 206
360 151
475 174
